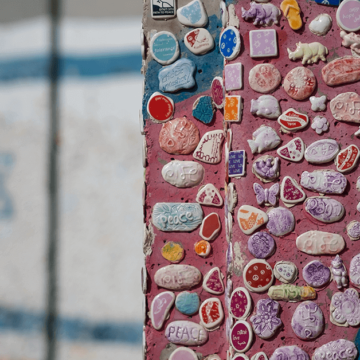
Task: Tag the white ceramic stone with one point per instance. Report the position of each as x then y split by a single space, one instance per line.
233 76
322 151
183 353
357 133
233 19
347 15
241 336
177 277
160 308
321 24
186 333
339 272
344 107
250 218
230 43
320 124
266 106
209 147
211 313
320 243
339 349
291 192
163 9
286 271
240 303
223 13
355 270
345 308
308 53
264 138
231 198
183 174
164 47
324 181
213 357
353 230
193 14
199 41
258 275
318 103
260 355
293 150
324 209
209 195
347 159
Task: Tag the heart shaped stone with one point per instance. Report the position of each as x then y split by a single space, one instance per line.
160 308
209 195
321 24
316 242
193 14
213 283
290 192
250 218
286 271
293 150
321 151
347 159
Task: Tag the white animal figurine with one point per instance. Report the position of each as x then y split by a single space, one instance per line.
339 272
352 41
309 53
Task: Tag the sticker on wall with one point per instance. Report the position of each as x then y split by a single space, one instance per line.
163 9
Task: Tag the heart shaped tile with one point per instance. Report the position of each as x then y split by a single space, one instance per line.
293 150
292 120
290 192
250 218
160 308
209 195
347 159
213 283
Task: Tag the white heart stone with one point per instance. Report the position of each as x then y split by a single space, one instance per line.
193 14
321 24
199 41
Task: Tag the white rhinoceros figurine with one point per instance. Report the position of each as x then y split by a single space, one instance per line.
309 53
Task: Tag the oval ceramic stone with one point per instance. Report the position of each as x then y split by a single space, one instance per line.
292 352
218 92
261 245
258 275
240 357
177 216
193 14
344 107
160 107
354 272
230 43
286 271
324 209
266 168
324 181
347 159
316 274
259 356
203 109
321 25
209 147
339 349
299 83
250 218
213 282
292 120
199 41
211 313
187 302
241 336
164 47
345 308
340 71
320 243
186 333
173 252
293 150
240 303
322 151
179 136
281 221
209 195
290 192
353 230
210 227
264 138
183 353
160 308
347 15
264 78
308 321
291 293
183 174
177 277
202 248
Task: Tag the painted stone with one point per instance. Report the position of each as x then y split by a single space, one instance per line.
339 349
250 218
261 245
320 124
321 25
351 41
266 321
209 147
290 192
308 53
281 221
347 15
223 13
266 196
347 159
209 195
230 43
231 198
240 303
355 270
344 107
293 150
299 83
173 252
241 336
353 230
232 108
160 308
259 356
163 9
210 227
199 41
187 333
286 271
177 277
237 162
324 209
292 352
233 76
292 120
193 14
202 248
263 43
164 47
183 353
345 308
187 302
324 181
160 107
339 272
291 293
233 18
183 174
316 242
218 92
203 109
265 106
341 71
213 282
211 313
266 168
264 138
322 151
177 216
318 103
316 274
177 76
258 275
238 356
264 14
264 78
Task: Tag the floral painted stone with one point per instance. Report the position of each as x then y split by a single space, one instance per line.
286 271
173 252
318 103
264 78
160 308
316 274
263 43
266 106
183 353
324 209
341 71
259 356
203 109
160 107
193 14
264 138
266 168
322 151
241 336
183 174
187 302
199 41
230 43
291 293
218 92
209 195
177 76
233 76
159 11
210 227
281 221
343 107
355 271
347 159
240 303
258 275
211 313
202 248
299 83
339 349
290 192
261 245
179 136
250 218
187 333
266 321
209 148
266 196
292 120
292 352
321 25
293 150
339 272
177 277
347 15
320 124
177 216
316 242
237 162
353 230
324 181
345 308
213 282
232 108
164 47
